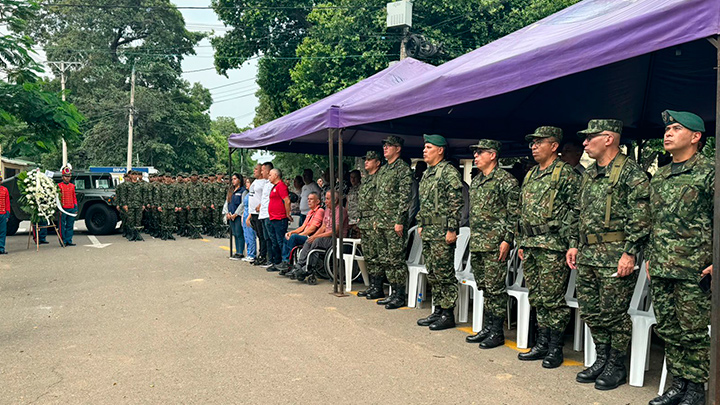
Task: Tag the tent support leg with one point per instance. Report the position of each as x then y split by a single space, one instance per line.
230 170
339 287
331 155
714 383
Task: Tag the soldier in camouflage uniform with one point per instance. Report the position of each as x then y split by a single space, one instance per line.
135 204
392 201
121 203
194 206
493 216
366 220
208 212
547 199
352 203
613 223
154 200
441 203
181 199
220 191
166 208
678 253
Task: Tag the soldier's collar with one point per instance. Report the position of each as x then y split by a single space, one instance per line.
686 166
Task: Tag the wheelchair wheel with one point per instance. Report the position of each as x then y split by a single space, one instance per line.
327 267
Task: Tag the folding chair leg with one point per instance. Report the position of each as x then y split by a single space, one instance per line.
413 281
663 377
523 322
463 303
578 333
590 355
478 309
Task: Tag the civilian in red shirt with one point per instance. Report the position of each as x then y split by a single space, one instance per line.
279 211
68 200
4 215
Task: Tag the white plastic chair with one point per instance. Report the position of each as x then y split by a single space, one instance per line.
349 259
467 284
518 291
572 302
643 318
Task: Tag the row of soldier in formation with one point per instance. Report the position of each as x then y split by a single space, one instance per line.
189 205
600 223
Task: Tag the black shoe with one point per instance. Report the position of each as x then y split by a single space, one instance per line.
371 288
554 357
673 395
260 261
695 394
389 298
540 350
302 275
3 253
43 242
446 321
273 268
432 318
484 332
591 373
399 300
72 244
496 337
379 292
615 373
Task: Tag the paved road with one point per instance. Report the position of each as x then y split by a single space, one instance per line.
178 323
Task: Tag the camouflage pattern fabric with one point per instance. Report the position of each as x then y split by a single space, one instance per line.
391 254
604 302
181 200
166 200
683 315
490 276
120 201
135 196
546 276
366 217
370 249
441 273
493 210
352 205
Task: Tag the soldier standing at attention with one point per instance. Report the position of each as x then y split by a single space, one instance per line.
352 202
135 207
493 216
194 205
679 253
166 208
392 201
366 219
68 200
547 199
613 224
180 198
441 203
120 203
219 195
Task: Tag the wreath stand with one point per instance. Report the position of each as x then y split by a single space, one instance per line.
35 234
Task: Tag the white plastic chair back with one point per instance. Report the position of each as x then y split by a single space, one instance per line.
415 255
461 246
640 303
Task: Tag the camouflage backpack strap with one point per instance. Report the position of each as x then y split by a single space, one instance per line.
554 185
438 175
614 178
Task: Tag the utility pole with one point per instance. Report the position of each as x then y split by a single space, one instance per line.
63 67
399 14
403 43
131 119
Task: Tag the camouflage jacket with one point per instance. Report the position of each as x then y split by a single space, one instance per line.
195 195
392 201
493 210
629 213
220 194
166 196
681 200
535 197
121 194
441 201
352 204
135 194
181 195
366 202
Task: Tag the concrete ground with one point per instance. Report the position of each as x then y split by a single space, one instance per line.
176 322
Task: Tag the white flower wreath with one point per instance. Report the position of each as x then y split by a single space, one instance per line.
39 195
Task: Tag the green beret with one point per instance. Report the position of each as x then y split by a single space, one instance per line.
371 154
687 119
394 141
546 132
487 144
598 125
437 140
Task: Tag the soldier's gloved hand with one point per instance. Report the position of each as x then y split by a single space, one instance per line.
504 250
450 237
571 257
626 265
399 229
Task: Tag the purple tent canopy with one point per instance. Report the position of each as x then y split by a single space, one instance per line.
314 120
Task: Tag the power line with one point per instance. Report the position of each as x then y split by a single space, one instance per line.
123 6
231 84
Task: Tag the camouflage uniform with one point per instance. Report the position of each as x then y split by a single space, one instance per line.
392 201
120 202
196 204
135 202
603 299
181 200
366 219
440 204
680 247
166 201
219 195
493 217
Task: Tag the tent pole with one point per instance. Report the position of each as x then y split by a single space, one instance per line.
714 383
338 260
331 150
230 168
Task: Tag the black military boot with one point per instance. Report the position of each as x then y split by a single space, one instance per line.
496 337
591 373
379 292
554 357
615 373
695 394
446 321
390 297
673 395
370 288
484 332
432 318
399 300
540 349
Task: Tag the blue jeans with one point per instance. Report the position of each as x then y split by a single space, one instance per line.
249 234
3 229
295 240
277 228
67 223
42 232
238 234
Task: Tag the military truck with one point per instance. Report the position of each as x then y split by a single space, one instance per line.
95 195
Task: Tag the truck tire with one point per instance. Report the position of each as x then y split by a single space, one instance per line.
100 219
12 225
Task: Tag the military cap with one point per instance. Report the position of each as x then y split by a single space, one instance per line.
193 173
687 119
487 144
598 125
394 141
546 132
437 140
371 154
66 171
181 174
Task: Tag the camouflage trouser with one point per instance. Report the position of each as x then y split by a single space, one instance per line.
167 219
391 255
123 217
490 275
181 219
195 217
604 302
546 276
683 315
134 217
439 260
370 251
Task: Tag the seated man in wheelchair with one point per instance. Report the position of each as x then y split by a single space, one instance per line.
321 239
297 237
